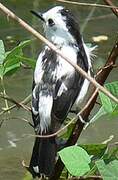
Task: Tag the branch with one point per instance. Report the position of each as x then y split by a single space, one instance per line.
17 118
88 4
15 102
24 102
87 178
39 36
114 9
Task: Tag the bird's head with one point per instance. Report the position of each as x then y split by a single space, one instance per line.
59 25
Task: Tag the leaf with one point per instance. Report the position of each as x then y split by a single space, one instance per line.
11 69
2 52
115 112
16 51
94 149
107 103
28 176
11 65
112 154
108 106
76 160
108 171
100 113
12 61
29 61
67 132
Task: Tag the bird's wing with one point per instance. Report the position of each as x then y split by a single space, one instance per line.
68 88
43 89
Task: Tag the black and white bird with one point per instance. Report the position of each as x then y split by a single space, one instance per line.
57 85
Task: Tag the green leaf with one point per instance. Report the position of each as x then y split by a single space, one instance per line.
100 113
112 154
28 61
11 65
28 176
94 149
76 160
17 51
109 105
67 132
12 60
115 112
11 69
106 103
24 43
108 171
2 52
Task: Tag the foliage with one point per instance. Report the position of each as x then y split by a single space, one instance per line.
108 171
92 159
108 106
27 176
97 158
76 160
11 61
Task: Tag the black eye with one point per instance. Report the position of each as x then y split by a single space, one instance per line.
51 22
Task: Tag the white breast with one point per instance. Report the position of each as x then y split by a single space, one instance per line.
64 67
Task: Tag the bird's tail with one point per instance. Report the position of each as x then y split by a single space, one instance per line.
43 157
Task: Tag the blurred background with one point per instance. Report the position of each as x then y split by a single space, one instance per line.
95 22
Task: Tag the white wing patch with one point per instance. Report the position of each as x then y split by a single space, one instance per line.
36 169
45 107
62 89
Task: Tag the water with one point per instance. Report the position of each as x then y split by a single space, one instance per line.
14 147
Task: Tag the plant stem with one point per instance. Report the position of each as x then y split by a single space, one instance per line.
4 93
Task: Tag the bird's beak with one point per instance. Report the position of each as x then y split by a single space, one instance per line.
39 15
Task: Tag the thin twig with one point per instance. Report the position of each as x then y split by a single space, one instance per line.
17 118
86 178
39 36
88 4
25 101
4 92
23 119
15 102
108 140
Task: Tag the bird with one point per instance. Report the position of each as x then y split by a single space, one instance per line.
57 86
